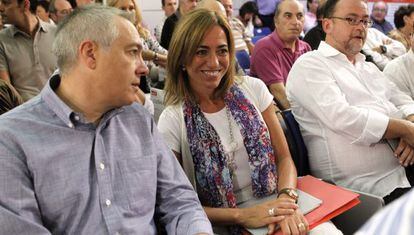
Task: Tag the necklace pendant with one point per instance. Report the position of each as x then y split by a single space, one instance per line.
233 147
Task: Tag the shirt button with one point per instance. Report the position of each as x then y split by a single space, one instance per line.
102 166
108 202
76 117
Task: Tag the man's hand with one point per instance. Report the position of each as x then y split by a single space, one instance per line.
404 153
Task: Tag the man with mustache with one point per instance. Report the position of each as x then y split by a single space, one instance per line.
274 55
349 112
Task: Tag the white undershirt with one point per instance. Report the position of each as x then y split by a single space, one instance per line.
218 120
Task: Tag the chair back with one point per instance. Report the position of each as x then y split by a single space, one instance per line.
257 38
244 59
264 31
296 144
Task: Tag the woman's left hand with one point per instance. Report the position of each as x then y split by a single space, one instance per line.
295 224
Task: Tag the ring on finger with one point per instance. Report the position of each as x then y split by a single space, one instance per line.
301 225
271 211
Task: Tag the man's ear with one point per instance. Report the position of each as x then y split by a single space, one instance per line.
327 25
53 16
87 54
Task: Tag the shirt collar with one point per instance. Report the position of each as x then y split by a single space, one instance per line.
42 27
328 51
48 94
62 110
279 43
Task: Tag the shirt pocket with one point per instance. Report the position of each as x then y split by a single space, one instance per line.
139 183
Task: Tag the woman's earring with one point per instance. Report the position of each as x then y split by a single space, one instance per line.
182 68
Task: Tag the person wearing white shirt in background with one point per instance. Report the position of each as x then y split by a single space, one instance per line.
401 71
169 7
347 110
382 48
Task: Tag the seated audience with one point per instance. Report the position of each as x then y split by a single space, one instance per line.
82 157
59 9
378 14
266 9
225 133
242 41
316 34
274 55
248 15
382 48
184 6
42 11
401 71
310 15
9 98
404 24
349 112
26 58
169 7
154 54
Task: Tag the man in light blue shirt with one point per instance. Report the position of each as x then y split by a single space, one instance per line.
82 157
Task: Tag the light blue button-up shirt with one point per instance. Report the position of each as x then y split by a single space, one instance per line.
61 175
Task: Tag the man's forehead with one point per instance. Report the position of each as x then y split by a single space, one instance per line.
290 6
356 7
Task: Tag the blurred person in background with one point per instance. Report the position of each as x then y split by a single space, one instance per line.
169 7
404 24
59 9
248 15
310 15
42 11
184 7
378 14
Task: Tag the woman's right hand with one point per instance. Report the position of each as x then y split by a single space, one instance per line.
261 215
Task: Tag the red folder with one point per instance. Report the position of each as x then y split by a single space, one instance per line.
335 200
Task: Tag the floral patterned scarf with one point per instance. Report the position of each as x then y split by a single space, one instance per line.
214 181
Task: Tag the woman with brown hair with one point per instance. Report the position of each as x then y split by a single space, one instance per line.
224 131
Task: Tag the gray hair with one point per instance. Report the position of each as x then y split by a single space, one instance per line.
92 22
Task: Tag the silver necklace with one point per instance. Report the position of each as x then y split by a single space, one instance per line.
233 145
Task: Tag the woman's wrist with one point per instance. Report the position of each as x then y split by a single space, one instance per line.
239 215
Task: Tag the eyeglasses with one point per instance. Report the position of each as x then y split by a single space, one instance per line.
379 10
64 11
354 21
